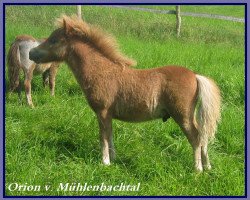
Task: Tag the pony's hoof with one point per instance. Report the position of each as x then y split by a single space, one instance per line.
208 167
198 169
106 162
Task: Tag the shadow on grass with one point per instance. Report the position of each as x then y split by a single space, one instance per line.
67 148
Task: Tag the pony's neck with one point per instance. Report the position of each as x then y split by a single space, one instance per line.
86 63
85 56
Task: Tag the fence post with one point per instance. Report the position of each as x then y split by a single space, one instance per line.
79 12
178 20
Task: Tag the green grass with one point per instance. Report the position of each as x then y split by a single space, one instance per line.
58 142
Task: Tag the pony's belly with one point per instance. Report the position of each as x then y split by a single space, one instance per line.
137 114
41 68
136 107
133 118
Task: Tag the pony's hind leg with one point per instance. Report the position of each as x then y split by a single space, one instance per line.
205 158
19 92
105 125
27 86
193 137
197 158
52 78
45 78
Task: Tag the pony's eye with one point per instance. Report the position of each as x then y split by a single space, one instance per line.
53 40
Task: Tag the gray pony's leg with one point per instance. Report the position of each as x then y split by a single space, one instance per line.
27 86
52 77
46 77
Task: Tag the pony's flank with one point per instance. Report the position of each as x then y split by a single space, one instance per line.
105 43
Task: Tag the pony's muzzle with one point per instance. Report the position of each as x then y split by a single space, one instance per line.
35 55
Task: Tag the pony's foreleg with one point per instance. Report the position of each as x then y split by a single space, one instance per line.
52 78
27 86
46 78
111 148
105 125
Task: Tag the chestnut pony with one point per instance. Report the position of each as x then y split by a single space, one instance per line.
114 90
18 58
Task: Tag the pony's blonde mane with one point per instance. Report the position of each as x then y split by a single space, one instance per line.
103 42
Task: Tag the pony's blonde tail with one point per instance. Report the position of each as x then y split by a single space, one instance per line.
207 112
14 66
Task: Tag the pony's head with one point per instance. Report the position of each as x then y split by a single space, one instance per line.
53 48
70 29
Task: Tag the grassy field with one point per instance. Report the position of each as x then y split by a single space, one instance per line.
227 10
58 142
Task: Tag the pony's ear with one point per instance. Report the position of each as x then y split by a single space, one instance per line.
66 27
